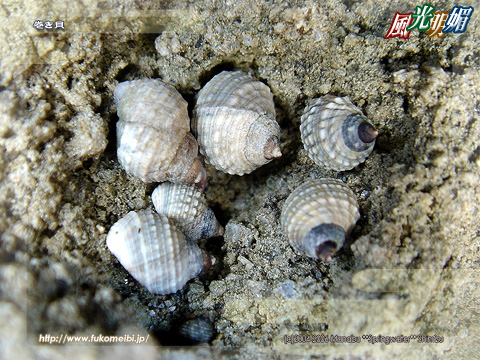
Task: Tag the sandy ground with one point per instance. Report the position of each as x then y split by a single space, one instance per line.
410 266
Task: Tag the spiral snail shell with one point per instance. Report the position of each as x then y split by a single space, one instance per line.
155 253
234 123
317 216
154 141
199 329
187 207
336 134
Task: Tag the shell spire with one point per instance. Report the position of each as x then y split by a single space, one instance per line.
234 122
366 132
154 141
187 207
318 215
336 134
155 253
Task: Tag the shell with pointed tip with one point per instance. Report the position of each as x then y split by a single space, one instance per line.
234 123
187 207
154 141
336 134
318 215
155 252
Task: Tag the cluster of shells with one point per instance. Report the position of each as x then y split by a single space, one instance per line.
235 130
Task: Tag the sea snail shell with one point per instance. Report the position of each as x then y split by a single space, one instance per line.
187 207
199 329
155 253
336 134
317 216
154 141
234 123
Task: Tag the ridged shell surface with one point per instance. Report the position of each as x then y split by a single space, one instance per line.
234 123
187 207
319 211
154 252
336 134
197 330
154 141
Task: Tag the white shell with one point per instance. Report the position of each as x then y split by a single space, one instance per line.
155 253
187 207
317 216
330 130
154 141
234 123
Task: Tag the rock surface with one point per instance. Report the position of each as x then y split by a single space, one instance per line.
411 265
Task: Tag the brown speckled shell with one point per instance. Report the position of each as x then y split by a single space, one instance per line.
187 207
154 141
324 133
154 252
316 202
234 123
